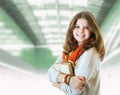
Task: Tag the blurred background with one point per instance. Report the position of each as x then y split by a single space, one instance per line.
32 34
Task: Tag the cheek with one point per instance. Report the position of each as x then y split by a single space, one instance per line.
87 35
74 32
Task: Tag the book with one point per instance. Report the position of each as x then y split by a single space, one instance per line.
64 67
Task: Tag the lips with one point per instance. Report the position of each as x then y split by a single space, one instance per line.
81 36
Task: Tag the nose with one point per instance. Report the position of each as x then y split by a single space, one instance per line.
81 29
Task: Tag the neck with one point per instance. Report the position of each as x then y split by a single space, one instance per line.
79 43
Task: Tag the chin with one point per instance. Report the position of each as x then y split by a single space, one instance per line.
80 41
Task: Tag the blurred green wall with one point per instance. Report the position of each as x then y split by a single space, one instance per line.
40 58
111 20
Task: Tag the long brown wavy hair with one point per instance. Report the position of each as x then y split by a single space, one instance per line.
95 39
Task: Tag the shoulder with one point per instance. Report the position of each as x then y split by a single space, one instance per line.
89 58
90 55
90 52
93 49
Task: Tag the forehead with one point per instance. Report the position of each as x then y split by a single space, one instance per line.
82 21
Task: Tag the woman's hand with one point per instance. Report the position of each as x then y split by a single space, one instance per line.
77 82
56 85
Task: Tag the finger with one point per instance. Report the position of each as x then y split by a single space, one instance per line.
81 77
83 82
80 88
82 85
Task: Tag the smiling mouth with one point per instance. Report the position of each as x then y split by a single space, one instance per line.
81 36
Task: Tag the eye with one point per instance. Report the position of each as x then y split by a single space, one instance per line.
77 27
86 27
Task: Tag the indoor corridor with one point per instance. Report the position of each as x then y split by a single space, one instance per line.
32 33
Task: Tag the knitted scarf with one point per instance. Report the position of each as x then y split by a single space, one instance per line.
72 56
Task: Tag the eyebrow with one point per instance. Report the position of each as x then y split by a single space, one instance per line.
84 25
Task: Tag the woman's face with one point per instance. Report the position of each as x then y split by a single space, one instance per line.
81 31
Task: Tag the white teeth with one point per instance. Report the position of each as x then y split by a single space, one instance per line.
81 35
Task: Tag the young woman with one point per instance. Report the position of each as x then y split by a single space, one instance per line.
85 48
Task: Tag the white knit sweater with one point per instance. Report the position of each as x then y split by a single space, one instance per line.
88 65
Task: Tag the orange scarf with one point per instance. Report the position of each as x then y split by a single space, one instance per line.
73 56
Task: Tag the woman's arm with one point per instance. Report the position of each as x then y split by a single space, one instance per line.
52 73
58 79
85 67
77 82
55 76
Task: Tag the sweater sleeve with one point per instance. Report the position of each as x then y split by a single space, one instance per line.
69 90
52 73
52 76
